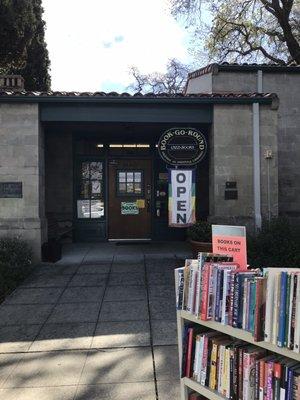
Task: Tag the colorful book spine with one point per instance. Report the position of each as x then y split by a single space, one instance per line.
261 379
282 309
252 302
189 353
230 312
277 380
204 291
269 380
269 306
213 367
297 318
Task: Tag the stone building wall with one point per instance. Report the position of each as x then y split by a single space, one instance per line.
286 85
231 159
22 160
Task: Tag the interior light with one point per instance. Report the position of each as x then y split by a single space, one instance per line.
99 145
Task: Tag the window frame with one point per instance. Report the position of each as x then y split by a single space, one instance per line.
80 180
117 182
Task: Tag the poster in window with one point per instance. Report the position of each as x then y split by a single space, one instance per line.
96 187
97 209
83 208
96 168
85 170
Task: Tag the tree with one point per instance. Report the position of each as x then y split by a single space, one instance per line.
172 81
22 42
247 30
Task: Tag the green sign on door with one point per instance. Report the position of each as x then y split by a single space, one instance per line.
129 208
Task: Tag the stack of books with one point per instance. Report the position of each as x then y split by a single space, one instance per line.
282 311
236 369
265 303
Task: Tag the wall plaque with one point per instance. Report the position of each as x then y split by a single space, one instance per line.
182 146
11 190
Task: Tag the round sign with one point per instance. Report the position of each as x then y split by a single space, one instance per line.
182 146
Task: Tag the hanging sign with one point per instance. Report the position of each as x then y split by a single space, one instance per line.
181 198
182 146
230 240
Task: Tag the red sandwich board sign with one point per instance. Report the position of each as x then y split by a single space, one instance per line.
231 240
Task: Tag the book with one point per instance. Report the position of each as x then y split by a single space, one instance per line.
260 309
249 357
276 306
282 309
277 380
179 287
269 304
188 367
251 307
296 347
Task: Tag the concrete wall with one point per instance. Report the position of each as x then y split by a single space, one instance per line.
231 159
201 84
287 88
22 160
59 178
286 85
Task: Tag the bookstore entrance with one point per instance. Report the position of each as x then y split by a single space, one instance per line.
129 199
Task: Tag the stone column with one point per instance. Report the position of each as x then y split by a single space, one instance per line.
22 160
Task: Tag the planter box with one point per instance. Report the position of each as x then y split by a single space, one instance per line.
198 247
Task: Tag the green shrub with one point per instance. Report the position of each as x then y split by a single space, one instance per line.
277 244
15 263
200 232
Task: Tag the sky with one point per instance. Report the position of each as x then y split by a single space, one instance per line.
93 43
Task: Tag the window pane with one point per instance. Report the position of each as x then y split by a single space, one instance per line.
84 190
96 168
97 209
129 176
129 187
137 176
122 176
137 188
83 209
122 187
96 187
85 170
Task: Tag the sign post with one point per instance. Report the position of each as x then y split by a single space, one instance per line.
230 240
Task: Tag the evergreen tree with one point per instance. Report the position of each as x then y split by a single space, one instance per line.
22 42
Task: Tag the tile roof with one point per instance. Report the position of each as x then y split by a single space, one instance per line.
225 66
59 94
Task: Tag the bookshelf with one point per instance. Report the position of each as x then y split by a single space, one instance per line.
187 383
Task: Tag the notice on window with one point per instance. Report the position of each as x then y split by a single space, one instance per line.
129 208
230 240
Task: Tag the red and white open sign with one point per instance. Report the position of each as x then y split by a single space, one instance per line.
231 240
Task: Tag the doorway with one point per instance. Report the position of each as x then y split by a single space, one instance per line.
129 199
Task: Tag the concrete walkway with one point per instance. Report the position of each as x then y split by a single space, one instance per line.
99 324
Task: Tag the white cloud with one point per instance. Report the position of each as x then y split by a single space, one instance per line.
94 42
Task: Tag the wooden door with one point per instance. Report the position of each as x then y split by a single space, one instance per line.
129 199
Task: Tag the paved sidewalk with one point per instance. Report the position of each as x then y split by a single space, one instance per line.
99 324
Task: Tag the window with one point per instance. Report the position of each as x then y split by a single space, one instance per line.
90 201
130 183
